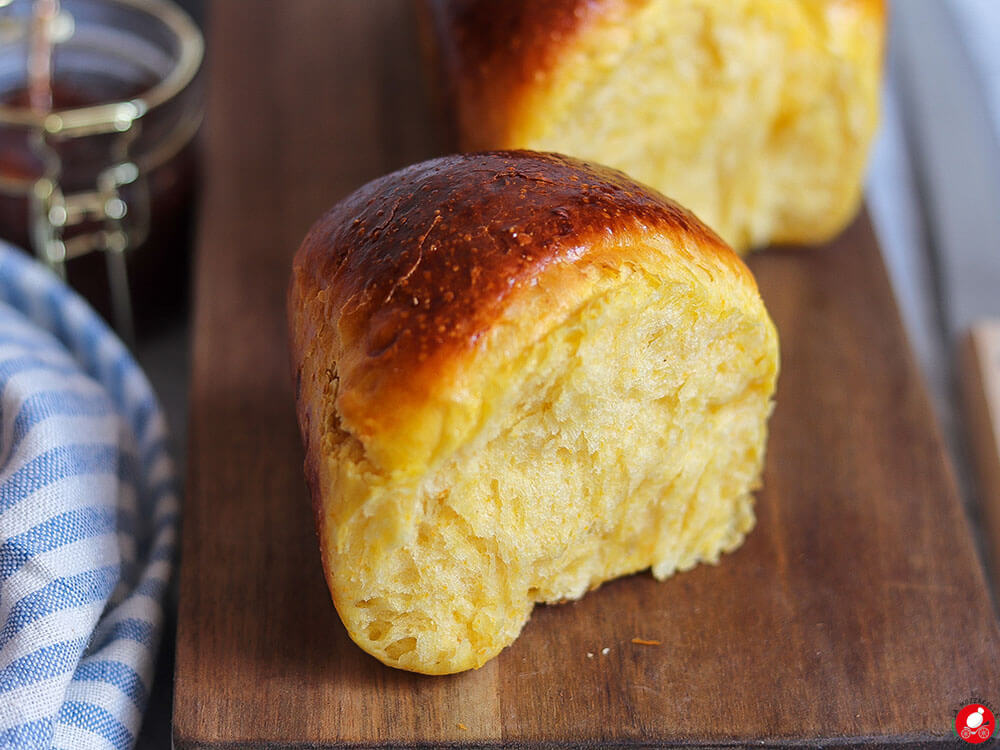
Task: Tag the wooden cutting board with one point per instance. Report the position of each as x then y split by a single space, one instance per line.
856 612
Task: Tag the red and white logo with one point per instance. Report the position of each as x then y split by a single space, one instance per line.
975 723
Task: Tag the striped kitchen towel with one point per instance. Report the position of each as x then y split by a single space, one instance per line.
88 519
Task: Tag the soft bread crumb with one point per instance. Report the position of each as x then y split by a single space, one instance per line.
630 437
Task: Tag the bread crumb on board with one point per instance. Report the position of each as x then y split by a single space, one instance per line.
605 651
462 727
646 641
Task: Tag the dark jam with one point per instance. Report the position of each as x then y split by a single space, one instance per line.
158 268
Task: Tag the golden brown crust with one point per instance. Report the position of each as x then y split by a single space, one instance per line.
415 267
490 53
397 285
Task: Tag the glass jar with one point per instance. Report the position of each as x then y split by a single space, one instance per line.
107 175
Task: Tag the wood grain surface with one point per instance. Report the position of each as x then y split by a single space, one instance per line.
855 614
979 373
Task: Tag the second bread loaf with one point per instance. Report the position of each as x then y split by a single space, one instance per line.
755 114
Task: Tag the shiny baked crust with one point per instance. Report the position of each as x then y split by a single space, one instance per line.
411 305
798 80
419 266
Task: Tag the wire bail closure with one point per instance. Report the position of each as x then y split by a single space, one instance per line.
53 211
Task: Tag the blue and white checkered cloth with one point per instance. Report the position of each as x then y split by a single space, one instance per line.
88 520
